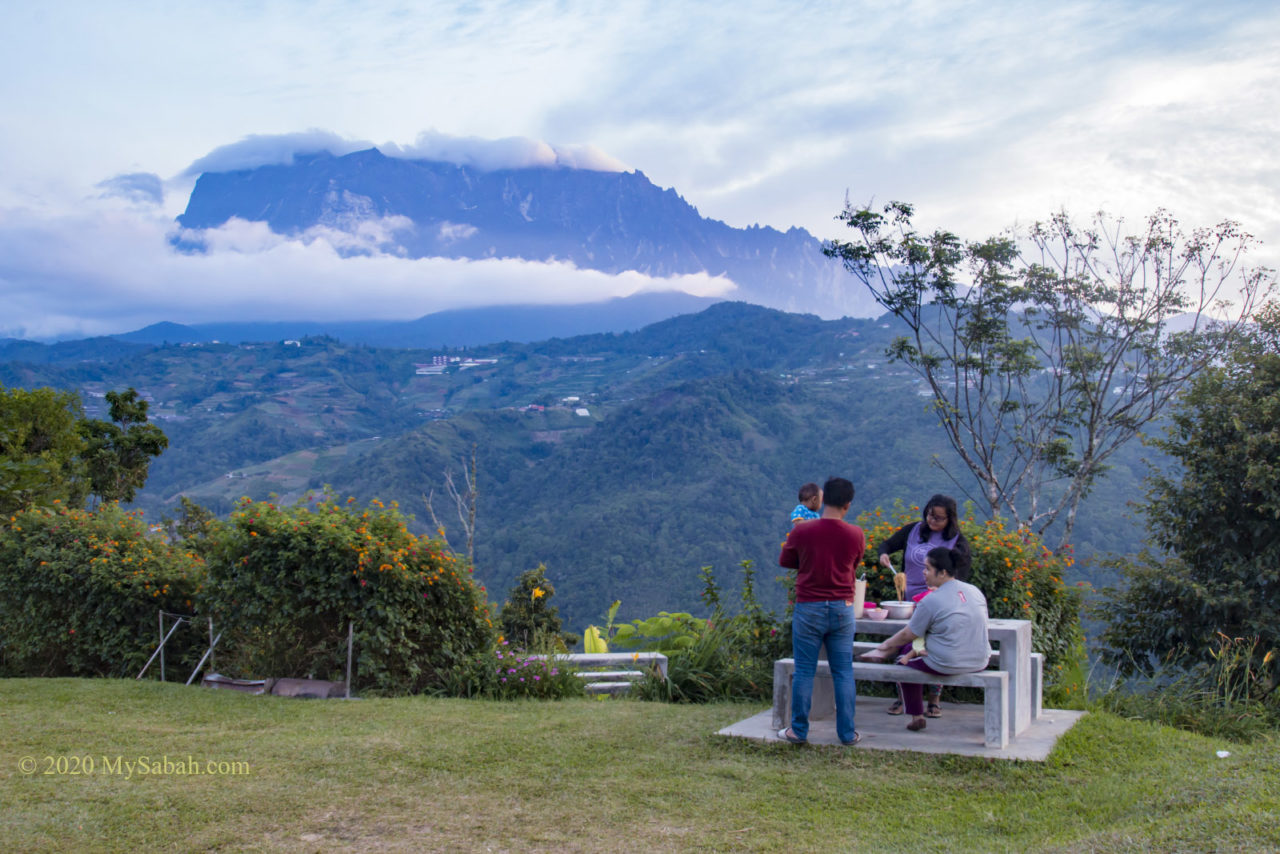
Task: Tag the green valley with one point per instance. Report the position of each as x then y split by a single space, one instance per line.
624 462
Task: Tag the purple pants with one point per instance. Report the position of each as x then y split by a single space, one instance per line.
912 693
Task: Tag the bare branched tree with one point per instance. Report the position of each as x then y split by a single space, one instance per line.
464 501
1046 353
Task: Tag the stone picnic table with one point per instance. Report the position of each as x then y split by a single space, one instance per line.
1012 655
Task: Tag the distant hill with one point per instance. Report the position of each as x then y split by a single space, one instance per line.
470 327
608 221
104 349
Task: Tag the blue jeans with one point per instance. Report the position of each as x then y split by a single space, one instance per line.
812 625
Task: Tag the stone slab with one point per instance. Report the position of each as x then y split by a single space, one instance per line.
958 732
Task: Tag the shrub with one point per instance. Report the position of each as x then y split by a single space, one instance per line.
504 672
726 657
80 591
284 582
1021 578
528 617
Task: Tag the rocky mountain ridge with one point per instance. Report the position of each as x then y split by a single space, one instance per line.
607 221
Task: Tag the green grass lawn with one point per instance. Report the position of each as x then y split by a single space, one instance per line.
424 774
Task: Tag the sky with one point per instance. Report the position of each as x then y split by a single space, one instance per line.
984 115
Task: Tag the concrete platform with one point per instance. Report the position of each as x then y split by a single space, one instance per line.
958 731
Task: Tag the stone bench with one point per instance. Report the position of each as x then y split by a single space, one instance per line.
1037 674
994 685
586 664
1013 639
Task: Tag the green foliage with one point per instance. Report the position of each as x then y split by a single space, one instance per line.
504 672
1021 578
194 525
1215 520
1230 694
117 453
1045 359
80 591
665 633
723 658
40 449
528 617
284 582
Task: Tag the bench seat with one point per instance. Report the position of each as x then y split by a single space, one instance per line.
994 685
1037 674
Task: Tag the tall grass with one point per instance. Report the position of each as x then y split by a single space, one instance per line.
1233 695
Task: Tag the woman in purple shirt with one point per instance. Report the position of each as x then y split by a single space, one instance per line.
939 526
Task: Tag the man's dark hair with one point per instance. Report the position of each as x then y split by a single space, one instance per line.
808 491
837 492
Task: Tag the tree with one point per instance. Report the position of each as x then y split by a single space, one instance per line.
118 452
40 448
1047 353
529 620
1215 520
193 526
463 501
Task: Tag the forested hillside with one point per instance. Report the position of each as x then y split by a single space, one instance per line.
624 462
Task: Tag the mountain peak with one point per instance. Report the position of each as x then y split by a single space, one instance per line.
607 221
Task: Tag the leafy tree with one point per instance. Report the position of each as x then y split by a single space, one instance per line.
1046 356
194 526
529 620
1217 518
118 452
40 448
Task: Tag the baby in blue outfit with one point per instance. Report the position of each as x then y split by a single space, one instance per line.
810 502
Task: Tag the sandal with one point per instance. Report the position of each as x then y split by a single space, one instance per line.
857 737
787 735
896 708
933 711
916 726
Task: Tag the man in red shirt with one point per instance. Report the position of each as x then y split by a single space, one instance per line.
825 553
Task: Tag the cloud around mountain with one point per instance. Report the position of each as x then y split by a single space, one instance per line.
515 152
111 268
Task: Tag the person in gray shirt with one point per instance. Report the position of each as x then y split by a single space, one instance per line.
952 620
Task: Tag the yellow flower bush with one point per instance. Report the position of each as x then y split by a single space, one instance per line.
285 581
80 592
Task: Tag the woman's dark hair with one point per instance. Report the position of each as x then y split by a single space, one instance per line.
943 560
947 503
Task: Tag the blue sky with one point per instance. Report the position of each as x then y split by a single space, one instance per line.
984 114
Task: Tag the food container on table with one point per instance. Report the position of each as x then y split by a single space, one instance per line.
898 610
875 613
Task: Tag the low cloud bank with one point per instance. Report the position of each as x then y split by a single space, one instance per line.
107 270
485 154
